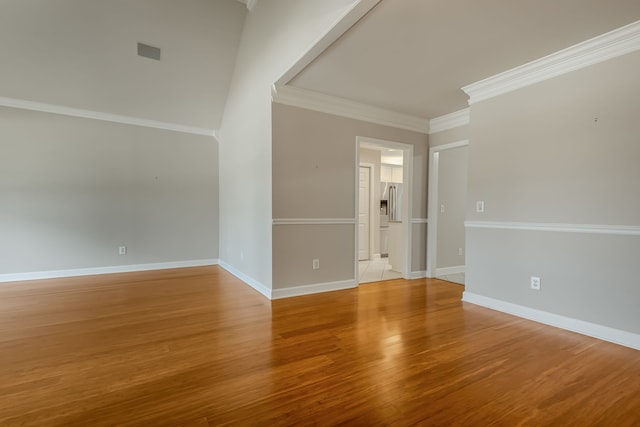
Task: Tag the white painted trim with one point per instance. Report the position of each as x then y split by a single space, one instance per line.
432 230
598 49
376 143
56 274
315 288
617 336
247 279
450 270
624 230
407 172
419 220
449 121
451 145
314 221
106 117
418 274
303 98
356 207
351 15
372 209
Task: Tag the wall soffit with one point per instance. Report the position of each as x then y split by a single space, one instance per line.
303 98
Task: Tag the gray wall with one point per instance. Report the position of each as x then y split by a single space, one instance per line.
73 190
314 177
275 35
452 193
562 151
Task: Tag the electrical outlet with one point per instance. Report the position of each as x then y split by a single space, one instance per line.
535 283
480 206
459 251
122 250
316 264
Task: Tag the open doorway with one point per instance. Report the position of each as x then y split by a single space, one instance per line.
383 204
447 211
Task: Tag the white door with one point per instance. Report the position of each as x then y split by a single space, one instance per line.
363 214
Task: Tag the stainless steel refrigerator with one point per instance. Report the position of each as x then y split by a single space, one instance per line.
392 194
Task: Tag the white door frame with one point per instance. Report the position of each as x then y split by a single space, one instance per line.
432 234
407 202
372 169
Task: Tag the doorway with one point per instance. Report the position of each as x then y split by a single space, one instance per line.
448 165
389 221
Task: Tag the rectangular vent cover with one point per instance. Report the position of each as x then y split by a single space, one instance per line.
149 51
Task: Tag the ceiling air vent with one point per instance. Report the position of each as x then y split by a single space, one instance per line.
149 51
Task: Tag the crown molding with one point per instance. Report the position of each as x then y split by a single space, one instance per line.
106 117
598 49
449 121
303 98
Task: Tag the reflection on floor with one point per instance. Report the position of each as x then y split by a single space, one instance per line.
376 270
455 278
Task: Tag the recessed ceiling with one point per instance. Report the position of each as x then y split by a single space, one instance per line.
391 156
413 56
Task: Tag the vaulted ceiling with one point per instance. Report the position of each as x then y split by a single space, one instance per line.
413 56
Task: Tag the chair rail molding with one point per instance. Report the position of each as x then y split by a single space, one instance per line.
626 230
313 221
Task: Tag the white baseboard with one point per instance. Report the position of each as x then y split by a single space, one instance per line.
56 274
617 336
315 288
450 270
418 274
247 279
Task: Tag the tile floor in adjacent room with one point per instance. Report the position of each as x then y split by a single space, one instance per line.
376 270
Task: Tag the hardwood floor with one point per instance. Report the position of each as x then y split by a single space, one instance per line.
196 347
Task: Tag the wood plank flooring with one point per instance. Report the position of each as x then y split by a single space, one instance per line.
197 347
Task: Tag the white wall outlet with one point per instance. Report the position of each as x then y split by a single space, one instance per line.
480 206
535 283
316 264
241 255
122 250
441 208
459 251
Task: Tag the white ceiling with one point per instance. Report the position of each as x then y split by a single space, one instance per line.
413 56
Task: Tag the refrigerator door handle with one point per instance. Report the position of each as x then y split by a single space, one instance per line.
392 202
